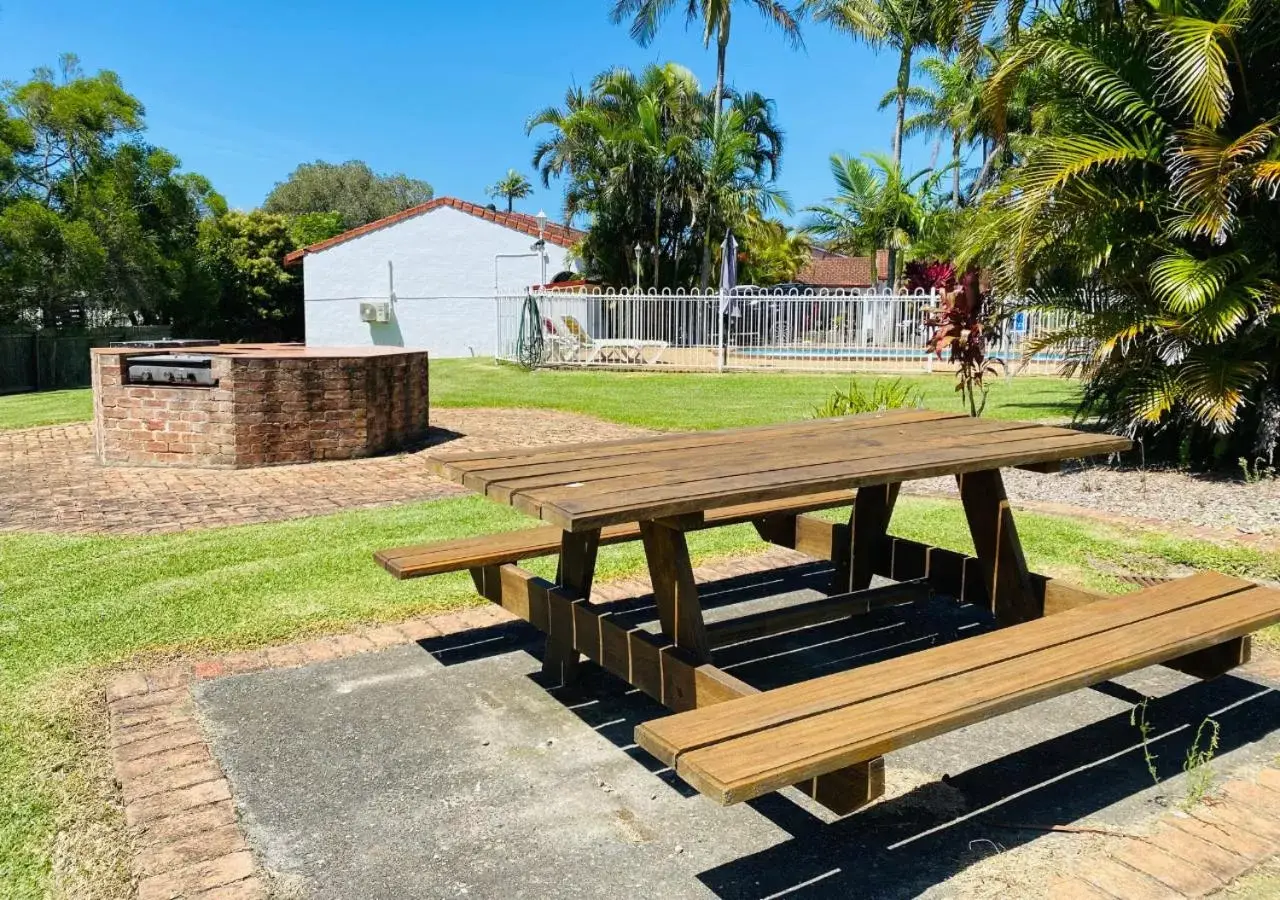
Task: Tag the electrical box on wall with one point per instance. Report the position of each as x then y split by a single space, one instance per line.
375 313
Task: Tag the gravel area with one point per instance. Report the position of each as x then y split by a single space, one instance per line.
1164 496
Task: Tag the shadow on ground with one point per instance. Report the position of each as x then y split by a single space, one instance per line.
924 837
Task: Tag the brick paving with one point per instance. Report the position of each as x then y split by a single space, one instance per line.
50 482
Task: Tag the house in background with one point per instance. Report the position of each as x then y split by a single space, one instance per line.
426 277
834 271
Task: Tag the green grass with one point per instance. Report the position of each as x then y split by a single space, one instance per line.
672 400
74 607
48 408
695 401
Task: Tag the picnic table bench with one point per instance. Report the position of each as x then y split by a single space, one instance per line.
826 735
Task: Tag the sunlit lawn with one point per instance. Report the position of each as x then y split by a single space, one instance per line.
46 408
694 400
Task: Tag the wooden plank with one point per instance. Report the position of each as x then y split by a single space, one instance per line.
665 737
668 472
473 460
446 464
846 790
758 763
596 472
1059 596
570 480
688 497
812 612
1216 660
575 573
674 588
868 525
995 537
817 537
779 530
529 543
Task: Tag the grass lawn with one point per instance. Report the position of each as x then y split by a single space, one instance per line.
45 408
656 400
74 607
696 400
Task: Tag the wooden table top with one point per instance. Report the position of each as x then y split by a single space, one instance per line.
579 487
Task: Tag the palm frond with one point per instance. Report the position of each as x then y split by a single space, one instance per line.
1213 386
1191 57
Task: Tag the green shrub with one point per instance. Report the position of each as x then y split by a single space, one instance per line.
883 395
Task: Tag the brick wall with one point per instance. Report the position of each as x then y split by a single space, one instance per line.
266 410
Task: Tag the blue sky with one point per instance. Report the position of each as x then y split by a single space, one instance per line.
242 92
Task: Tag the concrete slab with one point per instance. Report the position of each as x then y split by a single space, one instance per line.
447 769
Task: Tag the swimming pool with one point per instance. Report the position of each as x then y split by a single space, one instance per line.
908 353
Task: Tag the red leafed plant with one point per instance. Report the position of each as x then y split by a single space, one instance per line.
961 327
934 275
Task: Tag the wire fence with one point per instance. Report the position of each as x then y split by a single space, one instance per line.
792 331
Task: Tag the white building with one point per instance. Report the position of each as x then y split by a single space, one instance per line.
427 277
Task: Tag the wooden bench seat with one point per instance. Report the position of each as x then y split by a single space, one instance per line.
756 744
529 543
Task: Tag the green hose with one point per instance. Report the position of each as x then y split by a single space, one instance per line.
529 345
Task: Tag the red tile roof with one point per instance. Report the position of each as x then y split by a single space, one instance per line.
555 233
829 270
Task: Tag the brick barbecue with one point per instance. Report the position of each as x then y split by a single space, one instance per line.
255 404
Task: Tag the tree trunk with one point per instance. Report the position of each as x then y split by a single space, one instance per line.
657 237
892 262
510 202
904 83
988 166
722 44
955 171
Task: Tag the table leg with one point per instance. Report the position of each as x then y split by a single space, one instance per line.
995 538
868 525
674 589
574 573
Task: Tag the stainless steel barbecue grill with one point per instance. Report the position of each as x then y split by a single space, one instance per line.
176 370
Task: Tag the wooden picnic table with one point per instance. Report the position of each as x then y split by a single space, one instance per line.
830 731
669 483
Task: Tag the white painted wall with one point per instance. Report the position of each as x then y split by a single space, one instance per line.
442 267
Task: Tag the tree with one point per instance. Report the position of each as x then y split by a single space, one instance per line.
771 253
312 228
92 215
1141 214
512 186
645 158
715 16
350 189
902 25
949 105
874 208
255 296
56 125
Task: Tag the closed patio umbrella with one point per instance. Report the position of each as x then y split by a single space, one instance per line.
728 281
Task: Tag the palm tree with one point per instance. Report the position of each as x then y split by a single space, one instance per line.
740 152
715 17
903 25
949 105
645 157
514 186
874 208
773 254
1141 211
